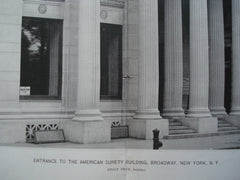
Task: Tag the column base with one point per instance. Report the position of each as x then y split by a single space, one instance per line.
86 132
235 120
218 111
173 113
235 111
142 128
202 124
147 114
198 113
88 115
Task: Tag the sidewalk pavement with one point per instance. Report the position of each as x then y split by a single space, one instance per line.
213 142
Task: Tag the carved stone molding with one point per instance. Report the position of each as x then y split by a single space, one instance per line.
42 8
103 14
113 3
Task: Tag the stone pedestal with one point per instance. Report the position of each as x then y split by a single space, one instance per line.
202 125
142 128
173 61
235 108
147 116
12 131
235 120
87 126
87 131
216 58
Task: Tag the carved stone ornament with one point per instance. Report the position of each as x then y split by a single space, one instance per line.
42 8
103 14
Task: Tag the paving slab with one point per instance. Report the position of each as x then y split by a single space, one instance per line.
213 142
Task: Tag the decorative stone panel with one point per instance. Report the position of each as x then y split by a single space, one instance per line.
30 128
115 123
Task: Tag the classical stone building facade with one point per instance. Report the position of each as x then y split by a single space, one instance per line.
86 66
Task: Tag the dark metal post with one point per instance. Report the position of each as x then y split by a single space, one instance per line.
156 143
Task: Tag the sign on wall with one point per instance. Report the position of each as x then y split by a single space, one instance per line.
25 91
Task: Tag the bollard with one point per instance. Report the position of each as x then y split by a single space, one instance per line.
156 143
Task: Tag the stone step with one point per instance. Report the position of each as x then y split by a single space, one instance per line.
173 120
181 131
197 135
177 127
175 123
225 125
221 120
177 130
180 136
228 128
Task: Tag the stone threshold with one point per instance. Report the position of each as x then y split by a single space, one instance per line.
196 135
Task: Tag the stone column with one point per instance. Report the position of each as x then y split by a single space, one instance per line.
87 125
235 108
88 61
12 129
199 69
147 115
216 57
199 116
173 48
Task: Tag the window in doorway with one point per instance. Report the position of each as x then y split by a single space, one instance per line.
111 61
41 58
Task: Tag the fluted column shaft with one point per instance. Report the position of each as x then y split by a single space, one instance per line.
216 57
199 68
88 61
173 61
235 108
148 60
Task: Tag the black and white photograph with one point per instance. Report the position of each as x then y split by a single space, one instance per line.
119 89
